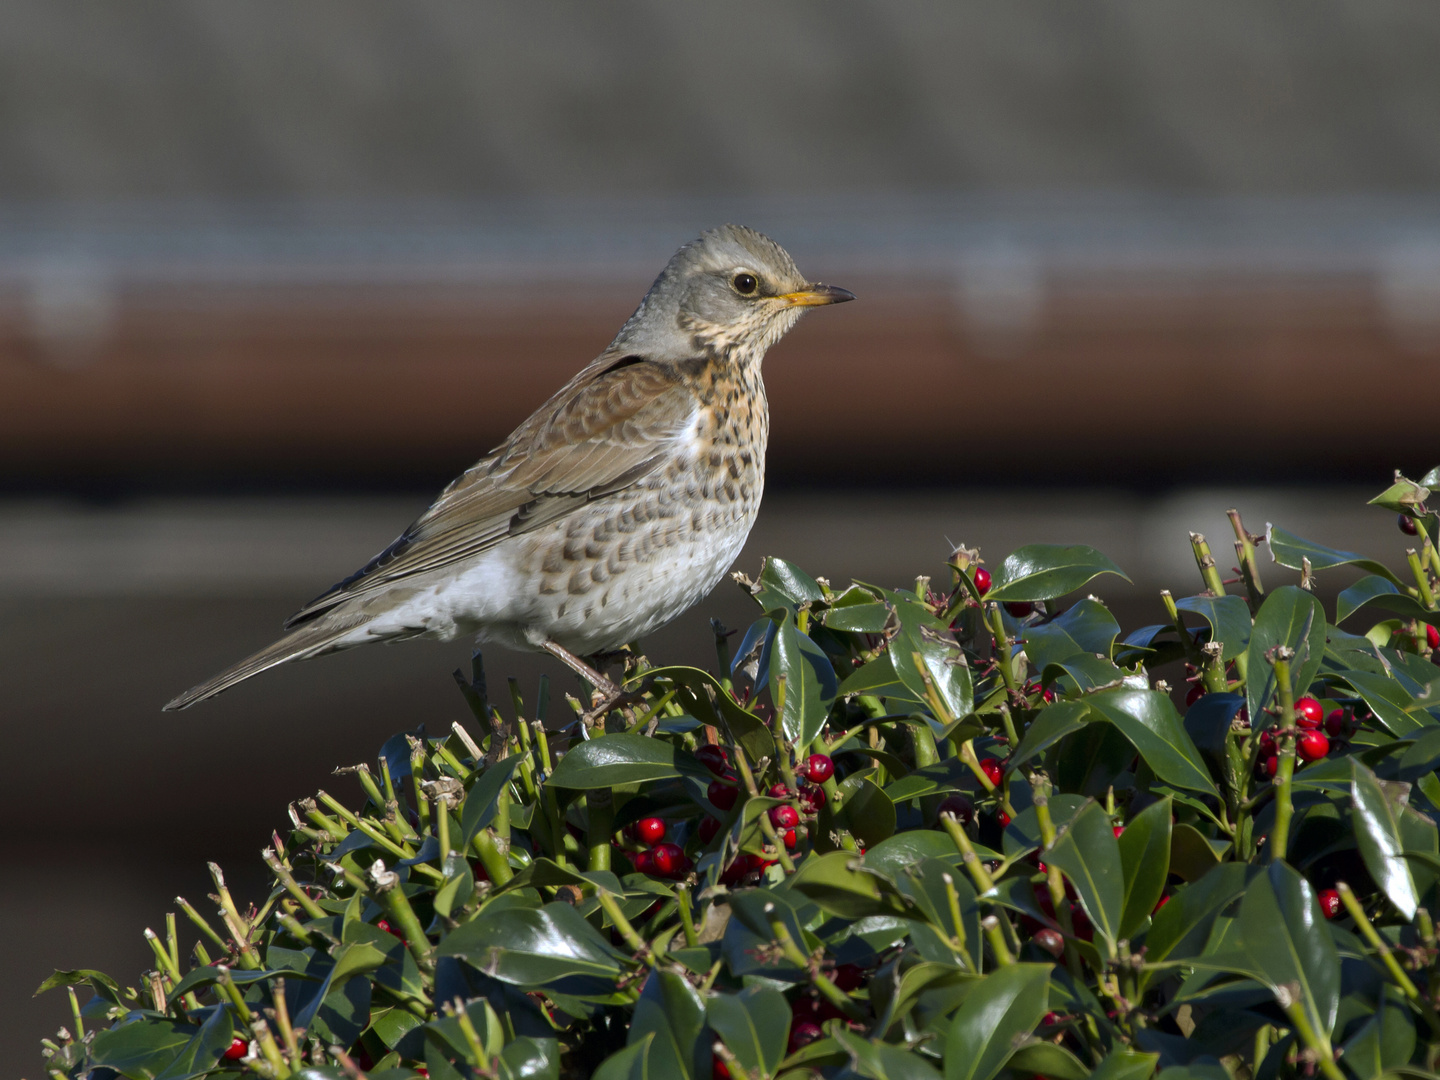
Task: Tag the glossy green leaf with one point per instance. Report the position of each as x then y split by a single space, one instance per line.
1048 1059
1403 494
1290 616
1048 571
1385 1041
1377 835
876 676
530 947
141 1050
626 1064
871 618
1124 1064
701 695
1083 673
1088 854
890 857
198 1056
1145 861
754 1024
787 580
671 1014
1229 619
1051 724
1287 549
1286 939
839 883
884 1061
1085 627
483 798
1149 720
1388 700
949 775
527 1058
622 759
1179 930
1376 591
865 811
1191 856
923 884
810 683
1008 1004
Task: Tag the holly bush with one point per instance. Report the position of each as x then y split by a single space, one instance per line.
897 833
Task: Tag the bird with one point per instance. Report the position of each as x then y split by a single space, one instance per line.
617 505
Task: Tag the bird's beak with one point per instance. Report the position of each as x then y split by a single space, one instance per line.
817 296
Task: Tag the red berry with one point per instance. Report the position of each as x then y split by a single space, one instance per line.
1194 694
802 1034
1118 830
1050 941
1267 742
713 758
719 1070
669 860
1308 713
1020 608
993 771
1335 723
779 791
650 830
820 768
1163 901
1432 635
1002 817
708 829
812 797
1271 765
784 817
722 795
1050 1019
645 862
1408 525
959 806
848 977
1311 746
1330 904
237 1050
788 836
384 924
981 577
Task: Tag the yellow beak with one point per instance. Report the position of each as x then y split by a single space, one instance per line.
817 296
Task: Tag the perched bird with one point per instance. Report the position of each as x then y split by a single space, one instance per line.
616 506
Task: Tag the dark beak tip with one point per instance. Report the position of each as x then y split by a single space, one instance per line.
835 294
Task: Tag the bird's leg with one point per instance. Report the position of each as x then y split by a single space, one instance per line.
584 670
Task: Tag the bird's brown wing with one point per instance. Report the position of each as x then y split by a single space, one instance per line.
611 425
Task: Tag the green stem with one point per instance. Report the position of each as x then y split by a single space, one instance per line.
1284 806
628 932
973 866
1208 570
599 810
1002 646
491 849
793 953
1422 579
1376 942
687 916
1249 567
1315 1041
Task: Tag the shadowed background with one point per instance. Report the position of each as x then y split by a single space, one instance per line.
270 274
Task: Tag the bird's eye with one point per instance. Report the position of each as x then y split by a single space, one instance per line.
745 284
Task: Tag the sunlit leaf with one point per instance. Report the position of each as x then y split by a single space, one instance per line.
1048 571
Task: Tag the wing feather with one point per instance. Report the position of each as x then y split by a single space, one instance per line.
611 426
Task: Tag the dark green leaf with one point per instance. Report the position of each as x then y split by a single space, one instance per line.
1403 494
142 1049
1287 941
754 1024
1180 928
1287 549
627 1064
1149 720
890 857
789 581
528 1058
810 683
1048 571
883 1061
839 883
200 1054
947 775
875 677
702 696
622 759
671 1015
1051 724
1376 591
924 884
1088 855
1009 1003
483 798
1145 859
870 618
530 947
1086 673
1191 856
1377 835
1229 620
1047 1059
1387 699
1086 627
1291 617
1122 1064
865 811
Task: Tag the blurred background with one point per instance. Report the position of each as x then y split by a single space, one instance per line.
271 273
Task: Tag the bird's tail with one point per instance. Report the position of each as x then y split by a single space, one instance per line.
312 639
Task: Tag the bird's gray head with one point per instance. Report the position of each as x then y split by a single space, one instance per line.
732 290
